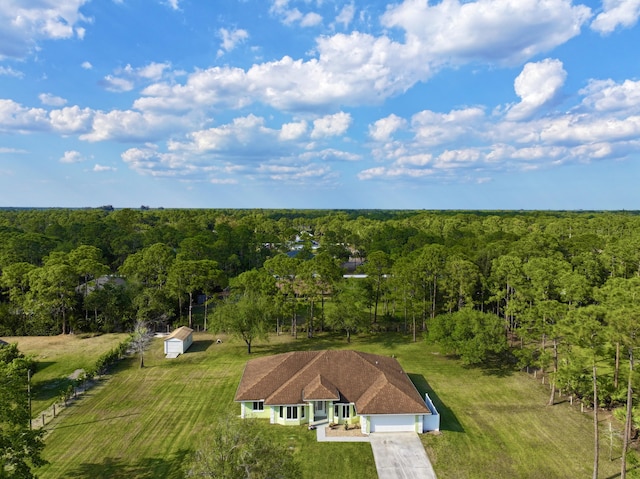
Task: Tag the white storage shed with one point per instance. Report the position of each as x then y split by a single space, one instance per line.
178 342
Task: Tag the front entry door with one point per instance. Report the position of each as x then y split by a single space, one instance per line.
319 409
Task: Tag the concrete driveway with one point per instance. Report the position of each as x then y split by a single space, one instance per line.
400 455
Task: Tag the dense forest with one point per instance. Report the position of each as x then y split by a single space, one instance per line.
532 285
558 292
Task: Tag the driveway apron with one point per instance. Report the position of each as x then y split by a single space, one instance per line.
400 456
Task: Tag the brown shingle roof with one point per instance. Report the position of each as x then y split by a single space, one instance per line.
320 389
375 384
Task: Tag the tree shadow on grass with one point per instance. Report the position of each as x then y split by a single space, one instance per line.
50 389
68 424
40 365
629 469
448 419
146 468
332 340
499 365
318 342
389 340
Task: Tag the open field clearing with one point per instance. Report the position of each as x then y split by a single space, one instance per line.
145 422
58 358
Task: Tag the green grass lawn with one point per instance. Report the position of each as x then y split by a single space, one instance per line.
145 422
57 358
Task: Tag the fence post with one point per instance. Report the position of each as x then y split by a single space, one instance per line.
54 410
43 420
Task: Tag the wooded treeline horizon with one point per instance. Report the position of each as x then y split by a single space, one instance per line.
516 276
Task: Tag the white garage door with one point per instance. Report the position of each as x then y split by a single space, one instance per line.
173 347
392 424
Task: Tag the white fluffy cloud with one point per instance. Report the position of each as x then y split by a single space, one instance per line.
609 96
117 84
382 129
359 68
125 79
150 161
98 168
330 154
310 20
537 85
24 23
68 120
248 146
230 39
10 72
331 125
496 31
296 173
15 117
293 131
292 15
604 125
71 120
306 103
7 151
51 100
615 13
72 156
129 125
345 17
437 129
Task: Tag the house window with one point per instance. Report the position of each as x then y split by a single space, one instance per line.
302 413
292 412
342 411
258 405
281 412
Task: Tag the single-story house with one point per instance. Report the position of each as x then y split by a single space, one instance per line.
340 387
178 342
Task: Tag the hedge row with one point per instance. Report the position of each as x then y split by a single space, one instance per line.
108 359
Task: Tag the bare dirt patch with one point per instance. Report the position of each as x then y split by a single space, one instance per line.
76 374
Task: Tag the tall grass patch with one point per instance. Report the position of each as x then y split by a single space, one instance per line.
57 358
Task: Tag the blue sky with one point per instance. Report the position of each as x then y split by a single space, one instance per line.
452 104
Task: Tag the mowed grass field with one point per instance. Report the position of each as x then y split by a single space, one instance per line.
144 423
58 357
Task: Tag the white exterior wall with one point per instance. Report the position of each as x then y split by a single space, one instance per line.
272 414
187 343
364 424
174 345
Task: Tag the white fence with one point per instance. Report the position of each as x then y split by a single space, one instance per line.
431 422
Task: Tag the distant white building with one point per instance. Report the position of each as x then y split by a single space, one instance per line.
178 342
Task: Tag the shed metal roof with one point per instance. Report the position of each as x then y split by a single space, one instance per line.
181 333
